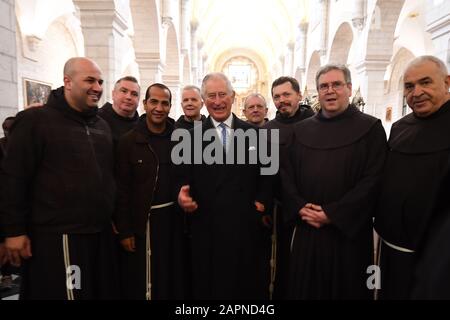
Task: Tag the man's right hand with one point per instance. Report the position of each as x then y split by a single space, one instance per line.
18 247
185 200
128 244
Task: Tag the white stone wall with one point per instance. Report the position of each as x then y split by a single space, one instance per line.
56 47
438 25
8 63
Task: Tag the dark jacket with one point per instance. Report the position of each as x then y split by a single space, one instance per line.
136 172
228 237
119 125
182 123
58 171
286 125
286 132
265 121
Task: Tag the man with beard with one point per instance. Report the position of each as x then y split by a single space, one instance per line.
419 148
255 109
121 115
329 187
59 192
192 103
286 97
149 228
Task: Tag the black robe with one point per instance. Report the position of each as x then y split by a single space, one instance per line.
182 123
119 125
335 163
416 162
283 230
432 276
145 180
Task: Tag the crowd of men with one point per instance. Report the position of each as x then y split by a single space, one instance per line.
94 206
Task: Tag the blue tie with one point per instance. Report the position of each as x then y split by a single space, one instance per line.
224 134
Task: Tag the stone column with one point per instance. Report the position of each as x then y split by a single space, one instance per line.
438 25
323 27
104 29
167 9
371 75
151 68
301 45
175 87
358 16
185 13
290 59
8 61
194 51
205 65
200 71
282 64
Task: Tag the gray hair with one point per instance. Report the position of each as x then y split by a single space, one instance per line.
212 76
330 67
422 59
257 95
192 87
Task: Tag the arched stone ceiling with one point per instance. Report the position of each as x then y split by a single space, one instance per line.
263 26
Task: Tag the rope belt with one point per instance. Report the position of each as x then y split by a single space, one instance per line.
273 256
148 274
70 295
162 205
398 248
148 293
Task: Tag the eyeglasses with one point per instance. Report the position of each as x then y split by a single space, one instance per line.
336 86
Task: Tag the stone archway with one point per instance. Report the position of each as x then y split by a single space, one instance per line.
382 28
394 87
262 81
313 67
48 38
341 44
378 52
106 28
298 76
171 74
147 39
187 78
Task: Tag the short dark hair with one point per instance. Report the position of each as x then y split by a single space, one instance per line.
329 67
161 86
284 79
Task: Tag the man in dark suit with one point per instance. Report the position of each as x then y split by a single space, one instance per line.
226 203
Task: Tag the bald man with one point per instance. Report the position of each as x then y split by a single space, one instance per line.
59 192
